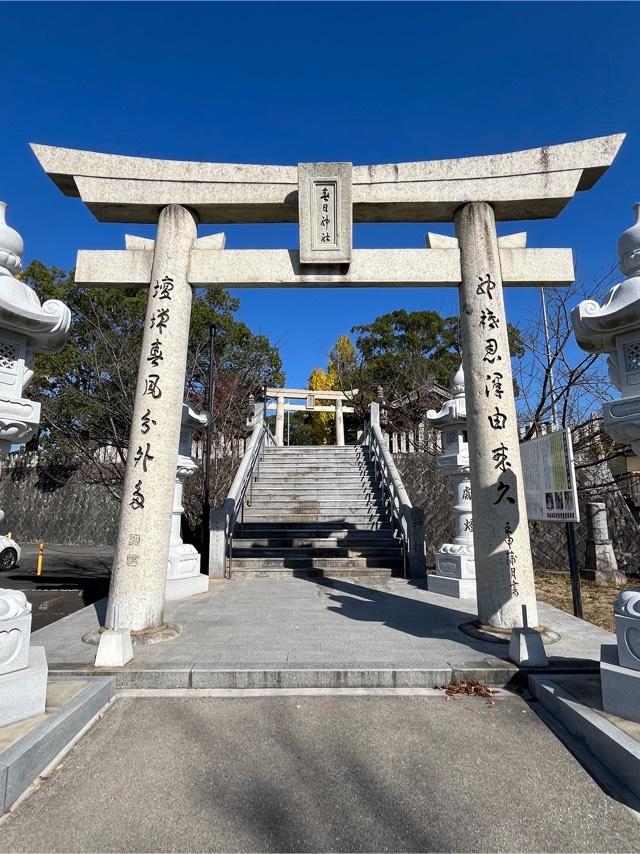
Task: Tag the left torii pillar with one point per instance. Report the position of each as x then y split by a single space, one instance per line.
138 579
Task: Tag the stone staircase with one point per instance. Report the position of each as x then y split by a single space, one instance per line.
315 510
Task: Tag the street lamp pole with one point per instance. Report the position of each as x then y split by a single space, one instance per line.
206 463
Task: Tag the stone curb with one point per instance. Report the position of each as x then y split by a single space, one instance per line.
610 746
209 675
21 763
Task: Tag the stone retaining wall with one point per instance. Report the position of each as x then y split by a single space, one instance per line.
57 503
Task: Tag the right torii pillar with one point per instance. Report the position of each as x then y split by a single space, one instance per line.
504 570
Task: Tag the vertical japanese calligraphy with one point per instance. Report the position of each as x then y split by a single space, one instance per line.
498 420
512 558
325 215
143 456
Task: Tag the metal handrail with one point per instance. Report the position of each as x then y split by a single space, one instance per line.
248 472
395 495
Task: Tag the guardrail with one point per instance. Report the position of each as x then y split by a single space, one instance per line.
223 520
407 520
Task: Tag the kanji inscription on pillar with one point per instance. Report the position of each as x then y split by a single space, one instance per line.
504 572
325 213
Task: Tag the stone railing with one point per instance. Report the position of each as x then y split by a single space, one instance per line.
223 519
408 521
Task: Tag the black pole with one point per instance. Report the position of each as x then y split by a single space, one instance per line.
573 569
206 463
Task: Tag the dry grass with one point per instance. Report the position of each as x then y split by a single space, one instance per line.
554 588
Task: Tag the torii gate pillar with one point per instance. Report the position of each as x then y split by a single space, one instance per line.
339 423
280 421
137 591
504 570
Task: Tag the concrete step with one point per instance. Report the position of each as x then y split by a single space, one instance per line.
283 455
280 472
354 564
328 481
328 505
305 450
372 523
369 553
311 571
334 510
355 519
378 541
313 498
319 531
310 489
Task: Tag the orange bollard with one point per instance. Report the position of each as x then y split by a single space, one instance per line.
40 558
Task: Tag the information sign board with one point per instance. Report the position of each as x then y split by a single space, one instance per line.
549 478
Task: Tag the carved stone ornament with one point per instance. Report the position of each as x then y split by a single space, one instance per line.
614 328
15 631
26 327
626 609
45 326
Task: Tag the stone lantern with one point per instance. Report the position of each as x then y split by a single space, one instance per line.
183 570
26 327
455 565
614 328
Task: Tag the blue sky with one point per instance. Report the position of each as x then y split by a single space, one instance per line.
289 82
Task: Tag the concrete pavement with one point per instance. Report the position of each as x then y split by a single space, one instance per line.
329 773
72 578
316 632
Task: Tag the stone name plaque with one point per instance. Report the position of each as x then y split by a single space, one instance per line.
325 212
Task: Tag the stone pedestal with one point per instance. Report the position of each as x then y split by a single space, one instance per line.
601 564
183 568
620 665
620 685
23 671
455 565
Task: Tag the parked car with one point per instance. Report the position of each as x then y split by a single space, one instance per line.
10 553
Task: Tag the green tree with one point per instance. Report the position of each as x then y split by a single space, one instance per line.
87 390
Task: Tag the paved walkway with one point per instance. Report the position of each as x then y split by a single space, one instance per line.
332 773
285 626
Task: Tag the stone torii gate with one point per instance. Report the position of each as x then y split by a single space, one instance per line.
310 396
326 198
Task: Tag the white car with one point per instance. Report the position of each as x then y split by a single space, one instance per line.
10 553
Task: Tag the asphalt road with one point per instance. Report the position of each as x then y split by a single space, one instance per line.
72 577
329 773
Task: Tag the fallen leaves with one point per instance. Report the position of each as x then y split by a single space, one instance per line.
470 688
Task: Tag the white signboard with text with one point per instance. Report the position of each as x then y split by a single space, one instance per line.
549 478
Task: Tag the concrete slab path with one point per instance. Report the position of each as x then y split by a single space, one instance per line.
282 625
328 773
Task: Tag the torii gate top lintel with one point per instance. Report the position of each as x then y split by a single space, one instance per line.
532 184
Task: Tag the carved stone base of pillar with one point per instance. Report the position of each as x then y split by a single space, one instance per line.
459 588
602 565
455 574
182 588
183 573
455 564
